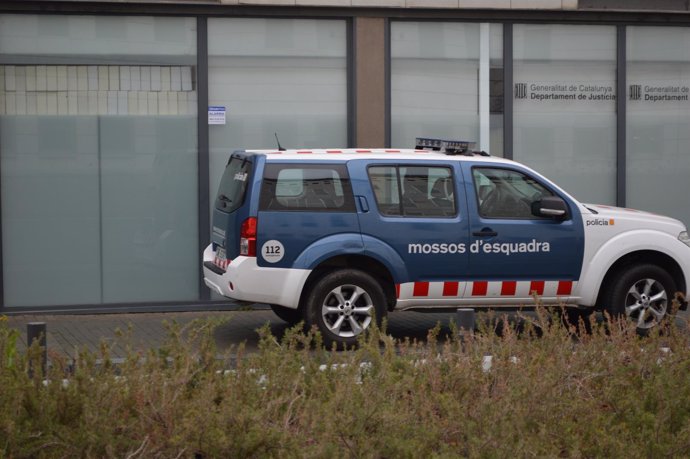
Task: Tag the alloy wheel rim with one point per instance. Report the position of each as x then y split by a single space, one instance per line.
646 303
347 310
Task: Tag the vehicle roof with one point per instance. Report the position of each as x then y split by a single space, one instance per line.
346 154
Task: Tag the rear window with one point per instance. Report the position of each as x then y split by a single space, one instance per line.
322 187
233 185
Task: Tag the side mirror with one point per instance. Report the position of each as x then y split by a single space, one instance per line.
550 206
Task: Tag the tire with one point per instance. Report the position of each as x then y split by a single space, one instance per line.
329 306
642 293
291 316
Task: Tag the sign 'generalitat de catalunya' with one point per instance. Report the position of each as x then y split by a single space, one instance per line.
589 92
564 91
655 93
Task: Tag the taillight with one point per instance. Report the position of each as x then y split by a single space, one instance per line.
248 237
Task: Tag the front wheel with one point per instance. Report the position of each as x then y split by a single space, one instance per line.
643 294
343 305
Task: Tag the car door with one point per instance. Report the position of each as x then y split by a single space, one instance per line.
303 203
513 253
419 210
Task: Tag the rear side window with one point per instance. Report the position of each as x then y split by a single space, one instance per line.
233 185
413 191
301 187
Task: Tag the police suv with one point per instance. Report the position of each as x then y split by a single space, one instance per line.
338 238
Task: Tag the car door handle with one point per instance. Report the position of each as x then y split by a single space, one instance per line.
485 233
363 204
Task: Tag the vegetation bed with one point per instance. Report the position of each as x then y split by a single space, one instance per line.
543 392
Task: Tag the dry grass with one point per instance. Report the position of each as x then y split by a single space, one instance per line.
547 394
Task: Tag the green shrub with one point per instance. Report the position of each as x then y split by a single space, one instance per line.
546 394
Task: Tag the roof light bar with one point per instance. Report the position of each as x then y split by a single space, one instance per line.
449 147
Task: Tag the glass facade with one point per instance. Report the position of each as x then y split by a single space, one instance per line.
443 77
565 106
658 118
282 76
99 178
98 159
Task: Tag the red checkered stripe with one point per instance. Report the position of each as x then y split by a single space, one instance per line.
221 262
483 289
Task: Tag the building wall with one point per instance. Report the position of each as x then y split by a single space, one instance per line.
108 163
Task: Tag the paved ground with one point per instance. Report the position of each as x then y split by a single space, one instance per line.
67 334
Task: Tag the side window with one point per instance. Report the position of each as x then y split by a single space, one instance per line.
300 187
504 193
413 191
384 182
289 184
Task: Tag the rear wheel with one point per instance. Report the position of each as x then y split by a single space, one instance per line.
291 316
343 305
643 294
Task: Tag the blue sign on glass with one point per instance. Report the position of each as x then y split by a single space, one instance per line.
216 114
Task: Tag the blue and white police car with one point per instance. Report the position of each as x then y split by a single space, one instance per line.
338 238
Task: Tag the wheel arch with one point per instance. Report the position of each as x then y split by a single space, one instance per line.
664 261
364 263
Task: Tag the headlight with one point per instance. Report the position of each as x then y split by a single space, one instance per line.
684 237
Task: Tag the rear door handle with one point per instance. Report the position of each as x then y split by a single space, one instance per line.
363 204
485 233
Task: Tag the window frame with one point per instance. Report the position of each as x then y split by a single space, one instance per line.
524 173
269 184
401 204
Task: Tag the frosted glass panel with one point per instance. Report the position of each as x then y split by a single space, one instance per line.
434 88
149 198
651 44
276 37
281 76
658 117
97 38
50 225
98 151
434 40
565 106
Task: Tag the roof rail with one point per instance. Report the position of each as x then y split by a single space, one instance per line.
448 147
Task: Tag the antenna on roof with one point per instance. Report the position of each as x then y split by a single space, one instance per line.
278 141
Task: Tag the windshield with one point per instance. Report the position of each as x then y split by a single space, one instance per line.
233 185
